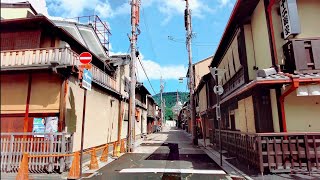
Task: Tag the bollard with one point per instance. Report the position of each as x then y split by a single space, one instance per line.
74 172
94 162
23 169
105 154
122 146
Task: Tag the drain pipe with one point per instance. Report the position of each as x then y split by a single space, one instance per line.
294 86
274 49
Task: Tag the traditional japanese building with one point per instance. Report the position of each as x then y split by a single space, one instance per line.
270 56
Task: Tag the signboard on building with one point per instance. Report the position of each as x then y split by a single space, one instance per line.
289 18
86 79
38 126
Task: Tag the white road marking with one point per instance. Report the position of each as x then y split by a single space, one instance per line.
163 170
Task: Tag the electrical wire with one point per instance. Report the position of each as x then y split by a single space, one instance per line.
146 75
148 34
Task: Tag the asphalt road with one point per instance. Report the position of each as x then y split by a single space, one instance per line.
166 155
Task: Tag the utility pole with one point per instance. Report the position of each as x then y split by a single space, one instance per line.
161 101
188 27
132 101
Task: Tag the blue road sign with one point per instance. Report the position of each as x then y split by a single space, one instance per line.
86 79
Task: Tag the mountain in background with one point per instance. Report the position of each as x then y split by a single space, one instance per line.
170 99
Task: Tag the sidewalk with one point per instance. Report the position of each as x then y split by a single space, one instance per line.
226 166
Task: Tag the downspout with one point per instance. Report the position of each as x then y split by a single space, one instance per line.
294 86
274 49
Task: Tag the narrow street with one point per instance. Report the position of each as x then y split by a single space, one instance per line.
166 155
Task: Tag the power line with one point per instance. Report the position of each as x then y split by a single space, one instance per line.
146 75
144 16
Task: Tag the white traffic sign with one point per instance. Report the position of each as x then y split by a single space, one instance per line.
218 89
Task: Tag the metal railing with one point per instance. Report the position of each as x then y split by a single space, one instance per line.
274 152
13 145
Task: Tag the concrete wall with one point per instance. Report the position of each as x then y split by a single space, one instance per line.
302 113
101 125
260 37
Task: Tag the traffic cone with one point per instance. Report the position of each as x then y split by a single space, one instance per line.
23 168
115 153
94 162
105 154
74 172
122 148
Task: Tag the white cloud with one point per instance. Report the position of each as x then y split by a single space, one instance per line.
104 10
224 3
154 70
171 8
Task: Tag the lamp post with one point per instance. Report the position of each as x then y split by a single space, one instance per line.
218 90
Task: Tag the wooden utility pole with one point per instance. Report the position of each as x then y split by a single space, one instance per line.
188 27
132 106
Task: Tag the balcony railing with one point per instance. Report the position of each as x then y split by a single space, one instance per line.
44 58
15 59
274 152
302 55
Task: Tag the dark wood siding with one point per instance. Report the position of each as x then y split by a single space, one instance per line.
262 110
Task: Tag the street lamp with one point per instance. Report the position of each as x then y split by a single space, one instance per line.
217 74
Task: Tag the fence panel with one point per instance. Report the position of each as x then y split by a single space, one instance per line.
274 152
13 145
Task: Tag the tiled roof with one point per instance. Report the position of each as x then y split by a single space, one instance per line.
281 76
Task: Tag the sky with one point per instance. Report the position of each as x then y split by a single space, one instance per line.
161 42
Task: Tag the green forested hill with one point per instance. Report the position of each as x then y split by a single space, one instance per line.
170 98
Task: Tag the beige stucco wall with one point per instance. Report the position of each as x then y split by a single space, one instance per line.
141 125
101 124
12 13
14 90
308 15
124 131
302 113
250 51
203 99
261 37
274 108
309 12
232 54
201 69
48 86
245 115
